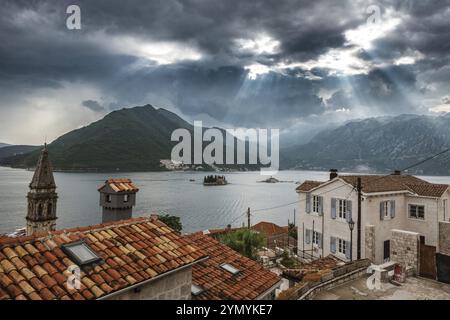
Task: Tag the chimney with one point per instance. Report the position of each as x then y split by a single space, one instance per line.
397 172
333 173
117 198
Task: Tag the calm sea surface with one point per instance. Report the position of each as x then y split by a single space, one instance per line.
198 206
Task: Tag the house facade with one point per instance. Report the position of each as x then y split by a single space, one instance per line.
393 202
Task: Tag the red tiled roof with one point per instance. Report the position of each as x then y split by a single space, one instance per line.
252 280
269 228
386 183
307 185
132 250
121 185
216 232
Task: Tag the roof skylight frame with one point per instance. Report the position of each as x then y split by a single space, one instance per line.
68 249
196 290
228 267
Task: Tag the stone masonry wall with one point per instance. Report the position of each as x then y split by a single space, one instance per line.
444 237
405 248
370 242
175 286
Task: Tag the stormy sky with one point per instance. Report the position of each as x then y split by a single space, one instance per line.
299 66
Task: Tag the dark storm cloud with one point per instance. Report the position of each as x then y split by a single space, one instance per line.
37 51
93 105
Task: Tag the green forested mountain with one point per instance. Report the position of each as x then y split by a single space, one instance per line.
128 139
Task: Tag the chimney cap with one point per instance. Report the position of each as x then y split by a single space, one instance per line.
333 173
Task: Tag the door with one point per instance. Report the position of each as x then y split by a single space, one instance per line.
386 250
427 260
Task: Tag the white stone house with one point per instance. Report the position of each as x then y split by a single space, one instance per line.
393 202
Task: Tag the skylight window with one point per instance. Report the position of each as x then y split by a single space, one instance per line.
228 267
80 253
196 290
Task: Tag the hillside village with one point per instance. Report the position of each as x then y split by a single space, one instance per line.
391 231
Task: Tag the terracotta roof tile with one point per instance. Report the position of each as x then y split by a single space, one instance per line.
37 268
120 185
221 284
385 183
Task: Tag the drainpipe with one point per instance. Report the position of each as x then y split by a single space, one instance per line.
358 247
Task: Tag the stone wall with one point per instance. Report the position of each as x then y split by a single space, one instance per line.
444 237
311 284
405 249
370 242
175 286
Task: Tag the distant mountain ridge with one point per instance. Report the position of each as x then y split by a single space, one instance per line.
4 144
12 150
130 139
377 144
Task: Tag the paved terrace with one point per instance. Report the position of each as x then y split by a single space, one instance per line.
412 289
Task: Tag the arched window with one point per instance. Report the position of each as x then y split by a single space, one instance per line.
49 209
39 210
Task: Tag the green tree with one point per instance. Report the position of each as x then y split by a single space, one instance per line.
173 222
244 241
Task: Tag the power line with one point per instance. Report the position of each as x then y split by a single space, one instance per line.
383 176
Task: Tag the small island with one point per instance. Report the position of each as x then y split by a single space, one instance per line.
214 180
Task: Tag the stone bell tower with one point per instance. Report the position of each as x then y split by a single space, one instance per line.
41 216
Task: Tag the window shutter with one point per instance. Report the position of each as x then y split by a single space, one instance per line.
349 210
320 240
392 208
308 202
308 236
333 208
381 210
347 253
333 244
320 205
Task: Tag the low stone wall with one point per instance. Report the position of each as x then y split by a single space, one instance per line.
370 242
313 283
405 249
444 238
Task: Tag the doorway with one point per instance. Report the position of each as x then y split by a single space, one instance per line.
386 251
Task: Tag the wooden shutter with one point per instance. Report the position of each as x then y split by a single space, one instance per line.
308 203
320 205
349 210
333 208
333 244
347 246
392 208
308 236
382 210
320 241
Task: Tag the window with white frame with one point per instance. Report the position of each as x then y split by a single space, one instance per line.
315 238
342 208
316 204
417 211
342 246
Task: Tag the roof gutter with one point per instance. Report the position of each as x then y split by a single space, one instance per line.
142 283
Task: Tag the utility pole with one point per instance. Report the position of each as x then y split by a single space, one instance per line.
248 218
358 245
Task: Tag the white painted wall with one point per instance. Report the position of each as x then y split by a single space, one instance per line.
434 212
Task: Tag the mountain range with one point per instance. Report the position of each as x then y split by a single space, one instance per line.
135 139
130 139
377 145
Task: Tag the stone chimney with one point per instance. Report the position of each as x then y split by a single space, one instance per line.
333 173
117 198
